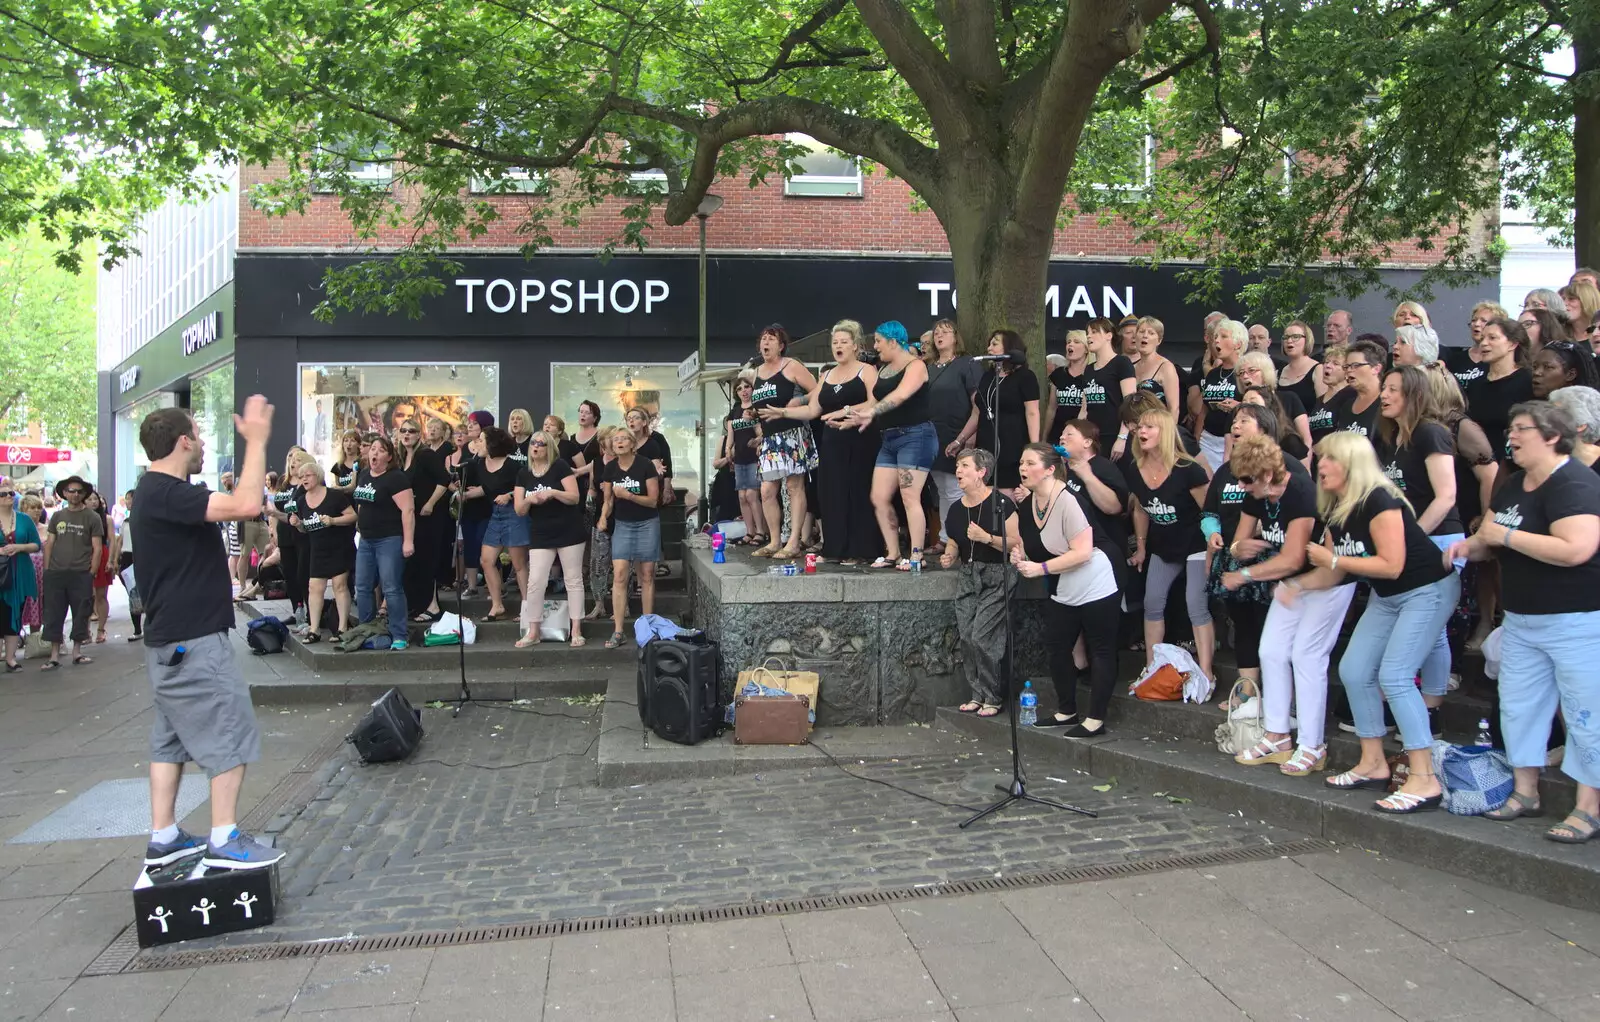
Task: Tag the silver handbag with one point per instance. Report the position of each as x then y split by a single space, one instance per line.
555 624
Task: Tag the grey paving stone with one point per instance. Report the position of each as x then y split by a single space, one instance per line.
1418 981
738 944
370 1013
1534 964
1060 1008
126 998
642 1000
514 971
249 990
851 989
609 956
845 933
969 975
1574 1009
44 879
1305 989
773 993
359 981
963 920
63 941
26 1000
1188 997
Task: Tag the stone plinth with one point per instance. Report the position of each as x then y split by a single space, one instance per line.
882 641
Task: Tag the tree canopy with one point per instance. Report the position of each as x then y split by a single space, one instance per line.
1288 135
47 333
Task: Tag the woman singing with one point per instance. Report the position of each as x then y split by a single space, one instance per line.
787 449
979 536
327 521
547 493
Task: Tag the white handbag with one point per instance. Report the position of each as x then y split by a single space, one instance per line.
555 624
1241 731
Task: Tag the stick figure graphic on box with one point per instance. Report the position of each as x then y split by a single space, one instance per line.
161 915
246 900
204 908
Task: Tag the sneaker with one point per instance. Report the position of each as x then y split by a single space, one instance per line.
180 847
395 647
242 852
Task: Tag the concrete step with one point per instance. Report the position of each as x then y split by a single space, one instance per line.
423 686
1154 746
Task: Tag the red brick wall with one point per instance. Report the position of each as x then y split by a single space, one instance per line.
752 219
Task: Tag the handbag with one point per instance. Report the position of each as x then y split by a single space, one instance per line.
1475 779
1238 733
555 624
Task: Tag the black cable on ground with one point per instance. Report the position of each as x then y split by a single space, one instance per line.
887 784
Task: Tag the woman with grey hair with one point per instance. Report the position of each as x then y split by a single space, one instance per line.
1582 405
980 526
1415 345
1544 298
1544 529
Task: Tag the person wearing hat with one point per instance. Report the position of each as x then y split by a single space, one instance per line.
72 544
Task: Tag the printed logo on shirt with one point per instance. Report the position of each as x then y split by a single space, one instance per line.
1392 470
1273 532
767 391
743 423
1069 395
313 522
1320 419
347 479
1356 427
1511 517
1233 493
518 456
630 484
368 493
1094 394
1217 391
1153 385
1160 511
1466 376
1349 547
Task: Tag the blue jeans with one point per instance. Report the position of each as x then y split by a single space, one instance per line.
1436 669
1387 648
1547 659
379 561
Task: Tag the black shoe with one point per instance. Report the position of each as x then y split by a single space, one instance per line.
1435 722
1052 720
1079 731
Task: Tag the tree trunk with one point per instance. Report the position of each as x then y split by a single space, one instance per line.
1586 144
1000 275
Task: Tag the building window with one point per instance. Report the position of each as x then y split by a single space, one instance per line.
822 172
513 182
366 167
211 404
644 181
377 398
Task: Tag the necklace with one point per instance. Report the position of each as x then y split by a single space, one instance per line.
1040 519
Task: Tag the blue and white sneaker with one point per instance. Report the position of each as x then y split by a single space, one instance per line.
397 647
241 851
180 847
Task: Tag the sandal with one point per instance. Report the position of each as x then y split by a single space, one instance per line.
578 641
989 710
81 659
1573 835
883 562
788 553
311 637
1351 781
1516 805
972 707
906 562
758 539
614 641
1403 803
1266 751
101 637
531 639
1305 760
12 668
765 551
49 665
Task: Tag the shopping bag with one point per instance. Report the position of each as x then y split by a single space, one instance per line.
771 674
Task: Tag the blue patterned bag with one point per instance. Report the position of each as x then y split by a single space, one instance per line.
1475 780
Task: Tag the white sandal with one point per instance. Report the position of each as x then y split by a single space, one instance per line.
1266 751
1305 760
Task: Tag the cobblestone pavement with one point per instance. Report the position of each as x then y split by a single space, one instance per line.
497 820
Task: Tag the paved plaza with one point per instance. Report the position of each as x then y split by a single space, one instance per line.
499 821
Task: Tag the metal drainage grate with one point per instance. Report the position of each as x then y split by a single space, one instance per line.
151 960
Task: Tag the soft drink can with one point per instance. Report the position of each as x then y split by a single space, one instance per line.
811 564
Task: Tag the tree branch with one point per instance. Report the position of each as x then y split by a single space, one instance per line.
970 32
802 34
923 67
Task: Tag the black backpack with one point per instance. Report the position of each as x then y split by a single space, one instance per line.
266 635
391 730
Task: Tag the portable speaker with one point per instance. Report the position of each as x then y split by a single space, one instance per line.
389 731
680 690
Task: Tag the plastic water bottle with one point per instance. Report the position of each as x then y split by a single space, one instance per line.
1029 714
1485 739
783 569
916 566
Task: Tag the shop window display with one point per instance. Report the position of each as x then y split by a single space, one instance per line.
380 398
211 403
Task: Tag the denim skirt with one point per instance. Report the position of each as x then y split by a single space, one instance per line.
506 528
636 541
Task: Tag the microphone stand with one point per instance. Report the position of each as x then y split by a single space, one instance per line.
1017 790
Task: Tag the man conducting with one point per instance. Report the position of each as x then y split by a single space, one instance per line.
203 710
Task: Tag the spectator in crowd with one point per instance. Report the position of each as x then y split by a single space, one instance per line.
103 570
73 543
19 537
123 559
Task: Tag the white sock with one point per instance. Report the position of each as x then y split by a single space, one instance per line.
166 835
222 835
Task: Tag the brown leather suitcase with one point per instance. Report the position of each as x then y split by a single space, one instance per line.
771 720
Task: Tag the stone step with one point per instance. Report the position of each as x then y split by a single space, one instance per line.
423 686
1169 758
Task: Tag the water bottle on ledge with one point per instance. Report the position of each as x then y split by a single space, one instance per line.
1028 715
1485 739
783 569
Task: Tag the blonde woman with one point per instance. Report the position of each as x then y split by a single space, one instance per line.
847 457
1256 369
326 519
1215 398
295 554
520 425
1581 301
352 459
1154 372
1069 381
547 493
1373 535
1410 314
1169 491
1329 382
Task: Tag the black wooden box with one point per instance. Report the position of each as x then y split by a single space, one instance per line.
185 901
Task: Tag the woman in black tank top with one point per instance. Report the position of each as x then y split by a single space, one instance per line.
899 406
787 450
845 456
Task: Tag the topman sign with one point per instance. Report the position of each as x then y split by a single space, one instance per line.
1114 303
201 333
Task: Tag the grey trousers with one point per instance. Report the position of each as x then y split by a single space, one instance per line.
981 627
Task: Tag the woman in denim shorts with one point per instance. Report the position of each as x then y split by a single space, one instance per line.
899 406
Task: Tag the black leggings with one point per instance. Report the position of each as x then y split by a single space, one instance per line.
1097 623
296 562
124 562
1248 620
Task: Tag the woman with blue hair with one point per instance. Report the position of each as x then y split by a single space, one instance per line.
899 406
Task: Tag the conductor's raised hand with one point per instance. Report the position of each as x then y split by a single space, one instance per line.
255 425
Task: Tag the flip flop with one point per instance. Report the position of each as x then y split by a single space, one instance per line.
883 562
50 665
970 707
526 641
81 659
989 710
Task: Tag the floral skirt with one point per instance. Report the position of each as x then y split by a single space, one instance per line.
790 453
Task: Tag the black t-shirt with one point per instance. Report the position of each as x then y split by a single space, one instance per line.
960 516
1218 386
1299 500
1527 586
1102 394
1105 470
553 524
1320 418
950 390
1016 388
426 472
1225 498
1459 362
744 431
1489 404
1174 531
472 474
1424 561
343 475
1342 406
183 562
1407 468
377 515
1291 443
1305 388
319 533
499 481
1069 398
655 448
632 479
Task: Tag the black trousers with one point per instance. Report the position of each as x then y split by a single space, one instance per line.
296 561
124 562
64 591
1248 620
844 494
421 575
1097 623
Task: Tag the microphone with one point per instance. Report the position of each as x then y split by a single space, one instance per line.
1015 358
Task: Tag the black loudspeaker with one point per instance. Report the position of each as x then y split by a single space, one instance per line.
679 689
391 730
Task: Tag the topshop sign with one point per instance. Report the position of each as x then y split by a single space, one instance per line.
624 296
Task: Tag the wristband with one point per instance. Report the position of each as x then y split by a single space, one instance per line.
1044 566
1122 436
1244 573
1333 565
1507 541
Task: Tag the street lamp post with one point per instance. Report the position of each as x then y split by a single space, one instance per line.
708 205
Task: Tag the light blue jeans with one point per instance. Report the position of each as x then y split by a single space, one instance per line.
1436 669
1547 659
1387 648
381 561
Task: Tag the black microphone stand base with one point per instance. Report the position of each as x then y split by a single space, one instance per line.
1017 792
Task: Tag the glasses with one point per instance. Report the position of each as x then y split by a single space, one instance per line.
1358 365
536 443
1530 428
7 493
1294 337
410 429
73 491
1245 480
